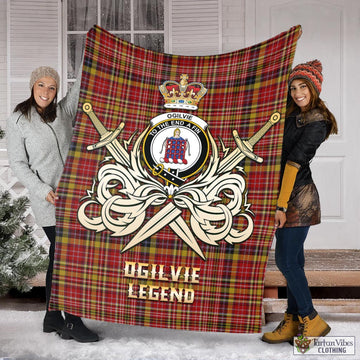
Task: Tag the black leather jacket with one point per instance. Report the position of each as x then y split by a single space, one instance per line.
303 134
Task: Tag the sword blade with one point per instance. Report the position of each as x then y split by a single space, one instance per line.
162 218
180 228
118 152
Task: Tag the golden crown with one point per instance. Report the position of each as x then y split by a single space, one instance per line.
182 95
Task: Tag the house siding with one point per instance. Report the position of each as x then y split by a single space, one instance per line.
233 25
3 75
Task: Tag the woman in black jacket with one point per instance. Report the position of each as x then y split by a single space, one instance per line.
308 124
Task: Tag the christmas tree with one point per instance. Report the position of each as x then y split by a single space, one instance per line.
21 257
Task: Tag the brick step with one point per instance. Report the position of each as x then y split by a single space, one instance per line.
273 306
323 268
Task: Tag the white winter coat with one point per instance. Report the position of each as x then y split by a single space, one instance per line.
37 152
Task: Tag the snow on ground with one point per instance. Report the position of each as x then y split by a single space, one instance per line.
21 338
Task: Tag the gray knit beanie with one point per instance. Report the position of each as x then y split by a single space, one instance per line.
44 71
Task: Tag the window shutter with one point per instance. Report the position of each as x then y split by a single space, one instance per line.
34 40
195 27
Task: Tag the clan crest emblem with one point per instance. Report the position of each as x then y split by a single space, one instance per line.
176 146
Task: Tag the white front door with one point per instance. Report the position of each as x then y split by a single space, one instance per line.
331 33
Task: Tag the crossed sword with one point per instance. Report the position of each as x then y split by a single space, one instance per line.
169 214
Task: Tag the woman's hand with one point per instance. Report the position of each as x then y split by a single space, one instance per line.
280 219
51 197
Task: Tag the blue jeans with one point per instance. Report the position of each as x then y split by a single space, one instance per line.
289 257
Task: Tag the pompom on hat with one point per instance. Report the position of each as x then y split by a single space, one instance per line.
44 71
311 71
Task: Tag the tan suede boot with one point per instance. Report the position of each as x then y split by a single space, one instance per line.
313 327
285 331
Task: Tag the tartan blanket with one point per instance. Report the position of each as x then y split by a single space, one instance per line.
166 203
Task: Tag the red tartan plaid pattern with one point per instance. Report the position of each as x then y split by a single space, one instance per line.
122 81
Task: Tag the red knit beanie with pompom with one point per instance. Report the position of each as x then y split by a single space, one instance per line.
311 71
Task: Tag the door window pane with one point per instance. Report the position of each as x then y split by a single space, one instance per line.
75 46
115 15
149 14
138 21
81 14
126 37
153 42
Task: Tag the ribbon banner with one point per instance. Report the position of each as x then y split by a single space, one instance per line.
166 204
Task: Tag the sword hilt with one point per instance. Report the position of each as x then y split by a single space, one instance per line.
106 136
106 139
88 110
246 148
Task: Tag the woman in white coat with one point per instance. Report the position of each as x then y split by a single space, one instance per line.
39 133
